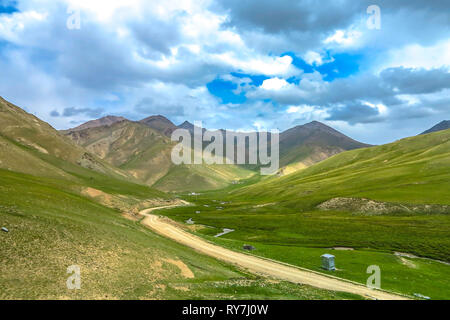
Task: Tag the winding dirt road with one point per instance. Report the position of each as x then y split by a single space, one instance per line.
258 265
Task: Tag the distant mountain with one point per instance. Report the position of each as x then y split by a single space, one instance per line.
145 153
304 145
189 126
133 146
143 149
186 125
412 170
105 121
160 124
310 143
444 125
30 145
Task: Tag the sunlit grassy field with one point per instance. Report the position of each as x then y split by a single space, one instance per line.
279 216
300 239
52 227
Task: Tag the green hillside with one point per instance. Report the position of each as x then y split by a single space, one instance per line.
67 203
62 206
413 170
32 146
51 228
372 202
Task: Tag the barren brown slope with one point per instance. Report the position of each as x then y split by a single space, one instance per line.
146 154
105 121
305 145
160 124
131 146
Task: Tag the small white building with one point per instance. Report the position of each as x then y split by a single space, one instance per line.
328 262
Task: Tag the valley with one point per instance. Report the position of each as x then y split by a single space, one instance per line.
261 266
283 219
74 198
224 159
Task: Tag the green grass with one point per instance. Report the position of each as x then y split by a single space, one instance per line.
412 170
200 178
280 216
52 227
300 239
421 276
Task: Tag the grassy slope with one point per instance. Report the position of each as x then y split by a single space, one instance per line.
27 145
50 195
412 170
51 228
200 178
279 215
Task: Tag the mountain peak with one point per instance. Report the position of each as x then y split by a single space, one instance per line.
318 133
155 118
186 125
104 121
443 125
314 125
159 123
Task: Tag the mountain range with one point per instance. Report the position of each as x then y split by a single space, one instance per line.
65 195
143 149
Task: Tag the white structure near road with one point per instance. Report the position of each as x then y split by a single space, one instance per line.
225 231
328 262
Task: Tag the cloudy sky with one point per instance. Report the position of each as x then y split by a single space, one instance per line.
235 64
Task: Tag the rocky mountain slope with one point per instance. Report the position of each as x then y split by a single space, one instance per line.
443 125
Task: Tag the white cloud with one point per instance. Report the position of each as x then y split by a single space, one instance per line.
293 109
315 58
381 108
344 37
130 50
103 9
409 99
266 65
11 26
274 84
417 56
307 112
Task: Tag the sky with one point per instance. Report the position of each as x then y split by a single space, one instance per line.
377 74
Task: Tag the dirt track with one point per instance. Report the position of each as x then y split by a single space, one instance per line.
259 265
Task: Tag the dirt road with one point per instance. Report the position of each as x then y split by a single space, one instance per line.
260 265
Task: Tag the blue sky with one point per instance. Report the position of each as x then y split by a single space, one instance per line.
8 7
340 65
231 64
